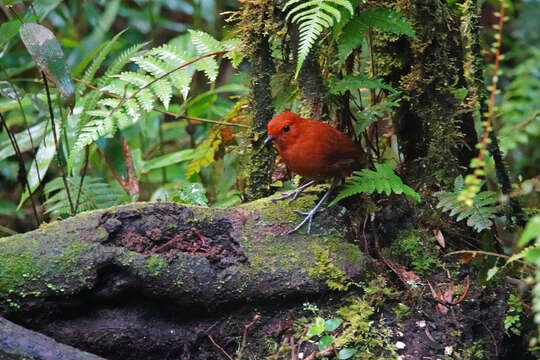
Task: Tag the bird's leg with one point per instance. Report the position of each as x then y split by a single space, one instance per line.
311 214
295 192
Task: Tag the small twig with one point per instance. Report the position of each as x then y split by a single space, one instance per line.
132 176
326 352
244 336
83 174
220 348
488 253
165 112
465 291
53 127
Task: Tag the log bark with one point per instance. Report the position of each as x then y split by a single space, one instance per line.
17 343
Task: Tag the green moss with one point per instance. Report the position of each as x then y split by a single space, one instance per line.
16 268
473 352
326 270
372 339
415 251
155 265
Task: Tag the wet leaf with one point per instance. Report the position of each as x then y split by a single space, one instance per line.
49 57
332 324
325 342
43 159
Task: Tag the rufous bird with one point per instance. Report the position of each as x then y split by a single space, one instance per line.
314 150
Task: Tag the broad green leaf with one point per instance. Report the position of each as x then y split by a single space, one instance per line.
40 165
8 30
44 7
192 194
332 324
492 272
10 90
531 231
346 353
169 159
23 140
317 328
325 342
49 57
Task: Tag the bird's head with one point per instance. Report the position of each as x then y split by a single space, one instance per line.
284 128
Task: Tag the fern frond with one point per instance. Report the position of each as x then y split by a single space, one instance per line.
101 125
164 91
479 215
383 19
94 67
383 179
121 61
204 43
95 194
313 17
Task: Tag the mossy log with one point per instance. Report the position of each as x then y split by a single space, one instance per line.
163 276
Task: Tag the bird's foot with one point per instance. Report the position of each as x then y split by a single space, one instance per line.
294 193
308 218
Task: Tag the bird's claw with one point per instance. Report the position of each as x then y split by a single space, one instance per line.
308 219
285 195
309 212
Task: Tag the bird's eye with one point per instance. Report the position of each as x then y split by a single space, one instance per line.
286 128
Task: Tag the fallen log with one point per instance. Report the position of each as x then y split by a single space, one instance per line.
153 280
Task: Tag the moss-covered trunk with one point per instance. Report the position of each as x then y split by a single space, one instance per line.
434 123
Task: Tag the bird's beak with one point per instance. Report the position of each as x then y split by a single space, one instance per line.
268 139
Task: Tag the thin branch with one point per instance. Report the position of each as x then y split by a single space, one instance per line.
25 121
244 337
488 253
22 168
83 174
62 169
165 112
220 348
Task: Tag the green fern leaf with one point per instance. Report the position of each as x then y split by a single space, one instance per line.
94 67
313 17
209 66
204 43
121 61
383 179
479 215
95 194
383 19
163 91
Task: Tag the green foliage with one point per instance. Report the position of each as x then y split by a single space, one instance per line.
323 330
416 254
383 19
136 93
479 215
383 179
95 194
352 82
512 321
326 270
313 17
